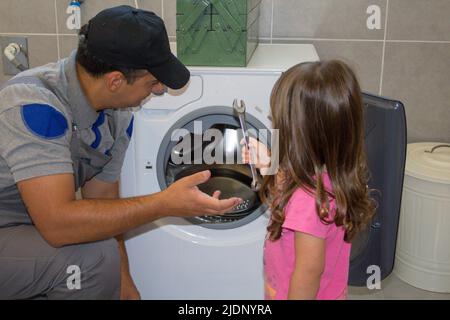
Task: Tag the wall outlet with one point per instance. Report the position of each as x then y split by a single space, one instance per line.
8 67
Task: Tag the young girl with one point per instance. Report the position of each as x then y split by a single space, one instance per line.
319 199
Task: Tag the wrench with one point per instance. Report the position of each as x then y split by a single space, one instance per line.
240 110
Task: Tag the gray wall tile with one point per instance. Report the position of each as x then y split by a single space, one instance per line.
418 74
25 16
345 19
363 56
3 77
419 20
170 16
88 10
41 50
265 18
151 5
415 73
67 44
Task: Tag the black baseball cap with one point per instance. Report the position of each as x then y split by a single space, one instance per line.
136 39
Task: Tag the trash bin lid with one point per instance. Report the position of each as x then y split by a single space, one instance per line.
429 161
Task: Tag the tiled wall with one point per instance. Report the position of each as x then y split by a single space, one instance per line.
408 58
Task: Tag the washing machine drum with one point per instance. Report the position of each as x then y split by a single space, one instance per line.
231 179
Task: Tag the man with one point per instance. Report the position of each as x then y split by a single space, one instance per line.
64 126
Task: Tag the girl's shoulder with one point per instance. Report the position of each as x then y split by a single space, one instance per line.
301 200
305 197
301 214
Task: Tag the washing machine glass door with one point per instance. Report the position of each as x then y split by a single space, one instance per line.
228 173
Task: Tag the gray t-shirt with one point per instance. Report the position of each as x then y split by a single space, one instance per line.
36 128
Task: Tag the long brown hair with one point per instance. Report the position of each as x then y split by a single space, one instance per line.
317 108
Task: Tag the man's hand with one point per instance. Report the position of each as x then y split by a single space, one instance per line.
184 199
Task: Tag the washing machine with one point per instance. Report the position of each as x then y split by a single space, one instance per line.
207 257
221 257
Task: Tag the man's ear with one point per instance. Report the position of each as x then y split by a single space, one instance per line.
114 80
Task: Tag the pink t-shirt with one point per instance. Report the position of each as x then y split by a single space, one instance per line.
279 255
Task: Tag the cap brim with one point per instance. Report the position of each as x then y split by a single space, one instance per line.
172 73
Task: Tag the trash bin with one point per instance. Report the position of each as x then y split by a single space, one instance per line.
423 244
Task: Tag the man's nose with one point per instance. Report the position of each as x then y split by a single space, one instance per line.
159 89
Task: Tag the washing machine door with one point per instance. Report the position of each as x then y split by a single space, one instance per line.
385 140
178 159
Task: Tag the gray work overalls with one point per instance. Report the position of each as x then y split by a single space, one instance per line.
31 269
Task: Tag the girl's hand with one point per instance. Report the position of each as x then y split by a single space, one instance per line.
259 154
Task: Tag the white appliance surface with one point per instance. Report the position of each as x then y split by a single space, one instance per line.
173 258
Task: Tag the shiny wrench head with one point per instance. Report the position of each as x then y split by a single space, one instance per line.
240 108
